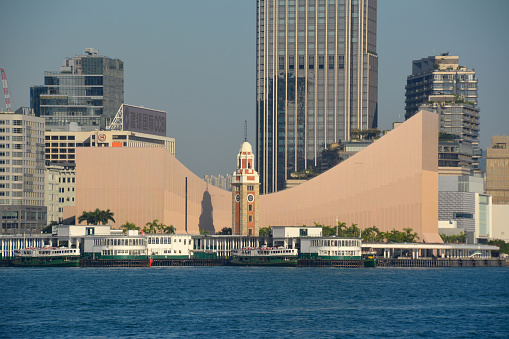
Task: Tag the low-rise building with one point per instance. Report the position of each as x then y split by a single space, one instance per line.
461 200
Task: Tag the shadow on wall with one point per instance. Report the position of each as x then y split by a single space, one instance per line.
206 221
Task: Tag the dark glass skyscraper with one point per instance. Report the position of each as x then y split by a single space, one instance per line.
317 78
88 90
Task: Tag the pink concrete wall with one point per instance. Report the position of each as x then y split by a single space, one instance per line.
393 183
143 184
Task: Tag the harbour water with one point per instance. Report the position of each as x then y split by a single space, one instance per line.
161 302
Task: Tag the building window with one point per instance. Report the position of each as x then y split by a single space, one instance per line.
463 215
250 218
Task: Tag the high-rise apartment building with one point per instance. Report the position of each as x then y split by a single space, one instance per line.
21 172
497 169
317 78
439 75
459 119
88 90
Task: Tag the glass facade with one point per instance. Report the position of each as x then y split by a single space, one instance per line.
316 80
88 90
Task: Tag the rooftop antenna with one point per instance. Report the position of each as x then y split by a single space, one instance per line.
245 130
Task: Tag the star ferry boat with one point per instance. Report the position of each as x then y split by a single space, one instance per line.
47 257
264 256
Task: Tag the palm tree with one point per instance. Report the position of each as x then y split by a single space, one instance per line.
409 236
89 217
129 226
341 228
152 226
96 217
353 231
168 229
104 216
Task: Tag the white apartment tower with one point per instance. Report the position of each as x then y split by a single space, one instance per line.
21 172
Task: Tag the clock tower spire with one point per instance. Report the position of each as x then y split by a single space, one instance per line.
245 193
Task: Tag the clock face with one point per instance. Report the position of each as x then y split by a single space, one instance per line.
250 198
237 197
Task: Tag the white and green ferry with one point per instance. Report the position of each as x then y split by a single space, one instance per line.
47 257
264 256
331 248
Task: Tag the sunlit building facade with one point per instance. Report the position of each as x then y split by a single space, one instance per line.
439 75
497 169
317 78
392 183
21 172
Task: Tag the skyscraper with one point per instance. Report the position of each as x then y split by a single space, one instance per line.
440 84
438 75
88 91
317 78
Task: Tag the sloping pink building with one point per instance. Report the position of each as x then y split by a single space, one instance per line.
393 183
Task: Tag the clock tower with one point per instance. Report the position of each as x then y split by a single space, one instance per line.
245 194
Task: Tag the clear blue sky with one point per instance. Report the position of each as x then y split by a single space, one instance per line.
195 59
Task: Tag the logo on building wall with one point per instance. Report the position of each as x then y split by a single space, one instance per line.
102 137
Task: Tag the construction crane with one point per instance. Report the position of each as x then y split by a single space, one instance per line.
6 91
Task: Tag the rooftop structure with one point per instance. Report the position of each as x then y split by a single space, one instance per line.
438 75
88 90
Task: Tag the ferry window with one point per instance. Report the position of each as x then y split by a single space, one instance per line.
184 241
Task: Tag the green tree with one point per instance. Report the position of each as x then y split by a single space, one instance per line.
96 217
341 229
129 226
371 234
265 231
203 232
151 227
504 247
409 236
455 238
169 229
104 216
89 217
225 231
49 228
352 231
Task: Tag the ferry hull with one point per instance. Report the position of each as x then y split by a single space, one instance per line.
263 262
46 262
369 262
